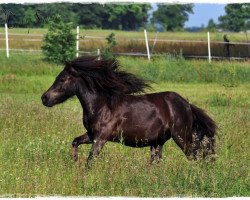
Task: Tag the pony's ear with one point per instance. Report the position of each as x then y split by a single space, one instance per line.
71 70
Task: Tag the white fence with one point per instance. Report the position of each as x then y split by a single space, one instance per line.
145 39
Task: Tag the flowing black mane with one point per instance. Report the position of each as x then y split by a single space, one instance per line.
105 76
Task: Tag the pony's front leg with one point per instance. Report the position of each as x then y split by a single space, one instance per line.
95 150
83 139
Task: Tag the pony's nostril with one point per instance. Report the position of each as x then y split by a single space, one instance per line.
44 98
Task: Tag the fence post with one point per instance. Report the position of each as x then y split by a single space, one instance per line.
77 41
156 36
98 53
209 49
7 40
146 39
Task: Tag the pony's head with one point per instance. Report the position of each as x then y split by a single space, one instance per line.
63 87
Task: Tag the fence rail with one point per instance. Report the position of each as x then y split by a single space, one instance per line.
136 39
210 44
130 54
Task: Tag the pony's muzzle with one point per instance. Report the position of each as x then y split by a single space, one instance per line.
45 100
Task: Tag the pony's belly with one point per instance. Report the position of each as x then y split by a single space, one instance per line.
132 143
136 140
137 144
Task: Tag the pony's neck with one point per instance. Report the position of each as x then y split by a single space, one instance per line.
90 101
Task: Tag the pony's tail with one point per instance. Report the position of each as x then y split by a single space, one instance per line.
204 130
202 123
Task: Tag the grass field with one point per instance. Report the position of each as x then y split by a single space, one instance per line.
35 141
218 36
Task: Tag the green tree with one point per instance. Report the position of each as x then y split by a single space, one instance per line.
236 17
59 43
65 10
90 15
172 17
29 17
211 26
110 16
13 14
126 17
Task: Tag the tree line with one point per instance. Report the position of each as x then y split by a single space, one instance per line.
120 16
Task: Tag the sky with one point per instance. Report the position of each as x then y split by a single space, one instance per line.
204 12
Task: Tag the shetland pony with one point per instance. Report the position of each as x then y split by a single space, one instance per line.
115 108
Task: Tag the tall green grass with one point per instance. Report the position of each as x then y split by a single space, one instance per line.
20 71
35 142
174 69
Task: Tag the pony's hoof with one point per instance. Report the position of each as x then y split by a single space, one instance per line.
75 154
156 161
75 157
88 165
212 158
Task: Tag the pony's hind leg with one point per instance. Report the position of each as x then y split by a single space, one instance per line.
183 140
156 153
83 139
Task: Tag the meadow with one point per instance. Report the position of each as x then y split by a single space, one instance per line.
35 141
238 37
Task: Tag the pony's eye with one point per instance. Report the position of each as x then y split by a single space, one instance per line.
62 80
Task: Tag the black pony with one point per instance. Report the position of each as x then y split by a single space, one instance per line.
113 113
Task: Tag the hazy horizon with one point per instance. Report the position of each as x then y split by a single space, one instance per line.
203 13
